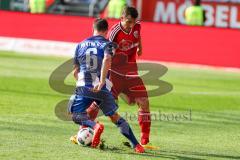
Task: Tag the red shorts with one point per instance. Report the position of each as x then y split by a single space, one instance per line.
131 86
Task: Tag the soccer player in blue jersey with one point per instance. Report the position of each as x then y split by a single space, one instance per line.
91 64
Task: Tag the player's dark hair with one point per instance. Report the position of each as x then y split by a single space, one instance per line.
130 11
197 2
101 25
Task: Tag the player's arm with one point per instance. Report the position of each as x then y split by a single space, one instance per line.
76 70
105 68
106 65
139 50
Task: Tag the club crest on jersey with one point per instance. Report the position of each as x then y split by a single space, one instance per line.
125 45
135 33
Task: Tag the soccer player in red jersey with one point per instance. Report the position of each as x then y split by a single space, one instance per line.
124 70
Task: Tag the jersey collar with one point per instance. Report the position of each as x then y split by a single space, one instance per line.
121 27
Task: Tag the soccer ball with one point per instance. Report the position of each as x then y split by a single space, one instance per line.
85 136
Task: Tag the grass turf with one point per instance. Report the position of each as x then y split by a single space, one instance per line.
29 128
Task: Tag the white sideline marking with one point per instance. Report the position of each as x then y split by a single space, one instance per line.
39 47
66 49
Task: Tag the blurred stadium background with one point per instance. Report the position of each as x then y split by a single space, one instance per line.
203 63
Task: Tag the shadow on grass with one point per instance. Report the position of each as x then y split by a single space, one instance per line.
151 154
202 155
154 154
182 155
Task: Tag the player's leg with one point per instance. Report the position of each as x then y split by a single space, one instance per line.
126 131
137 93
83 119
144 118
109 108
93 111
73 138
77 106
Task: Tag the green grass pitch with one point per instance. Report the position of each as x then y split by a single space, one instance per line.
30 130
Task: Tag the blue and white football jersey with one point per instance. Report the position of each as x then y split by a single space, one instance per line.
89 56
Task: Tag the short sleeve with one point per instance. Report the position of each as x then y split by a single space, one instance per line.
110 48
138 23
113 33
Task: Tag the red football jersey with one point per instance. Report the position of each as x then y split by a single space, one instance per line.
124 60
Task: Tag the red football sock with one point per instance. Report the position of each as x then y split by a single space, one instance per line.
92 111
144 120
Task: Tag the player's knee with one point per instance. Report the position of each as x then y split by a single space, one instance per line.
143 104
79 118
114 118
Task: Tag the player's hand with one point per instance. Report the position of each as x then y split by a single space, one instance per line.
98 87
139 52
95 89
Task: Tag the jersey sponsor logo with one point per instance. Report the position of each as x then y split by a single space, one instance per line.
126 45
